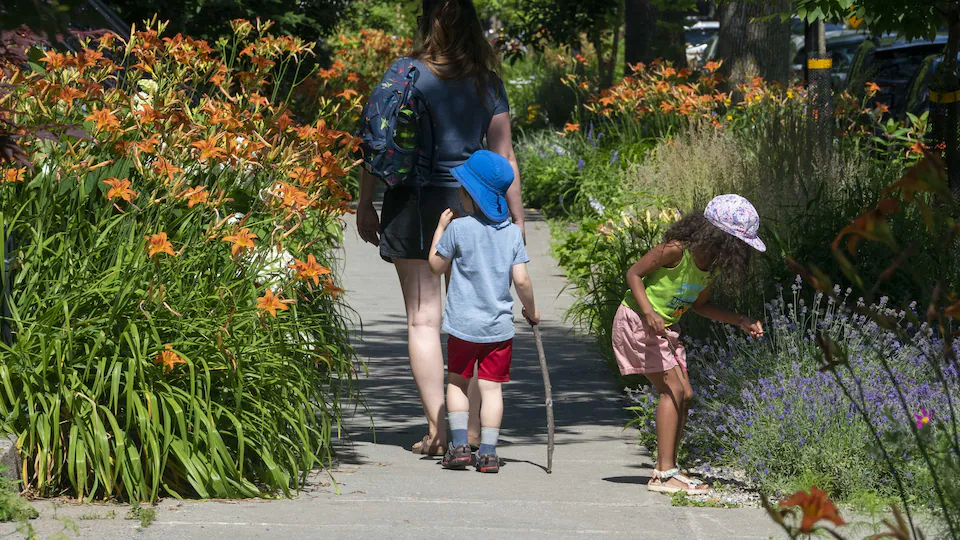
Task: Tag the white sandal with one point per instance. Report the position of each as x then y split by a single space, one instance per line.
695 487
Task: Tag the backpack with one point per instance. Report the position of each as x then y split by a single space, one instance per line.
392 141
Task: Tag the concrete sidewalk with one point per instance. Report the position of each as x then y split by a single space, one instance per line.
597 489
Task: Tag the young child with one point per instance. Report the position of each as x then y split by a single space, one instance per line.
673 277
487 253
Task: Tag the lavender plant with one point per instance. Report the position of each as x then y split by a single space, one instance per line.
767 408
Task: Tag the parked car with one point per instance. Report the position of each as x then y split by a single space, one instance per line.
697 38
902 70
842 46
706 51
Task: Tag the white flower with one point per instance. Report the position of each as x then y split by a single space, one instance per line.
597 207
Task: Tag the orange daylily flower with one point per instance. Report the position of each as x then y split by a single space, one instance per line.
270 303
119 189
872 89
104 119
262 62
302 175
871 225
14 175
158 243
148 146
164 167
330 288
168 359
711 66
310 269
209 149
69 93
569 128
54 60
195 196
292 197
348 94
816 506
242 241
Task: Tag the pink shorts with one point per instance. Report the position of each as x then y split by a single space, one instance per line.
639 350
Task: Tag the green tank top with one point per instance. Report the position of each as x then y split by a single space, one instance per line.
672 290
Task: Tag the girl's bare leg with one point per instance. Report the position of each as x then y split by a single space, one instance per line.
671 413
421 296
687 398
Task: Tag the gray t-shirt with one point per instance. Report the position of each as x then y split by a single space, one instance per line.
461 116
479 303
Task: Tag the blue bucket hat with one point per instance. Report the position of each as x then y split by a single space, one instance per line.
486 176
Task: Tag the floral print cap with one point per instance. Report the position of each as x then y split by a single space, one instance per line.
735 215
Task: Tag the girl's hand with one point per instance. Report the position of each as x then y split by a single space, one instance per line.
533 319
656 322
752 327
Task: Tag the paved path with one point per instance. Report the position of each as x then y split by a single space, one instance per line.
596 490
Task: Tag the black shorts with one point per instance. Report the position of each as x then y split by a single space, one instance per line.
407 222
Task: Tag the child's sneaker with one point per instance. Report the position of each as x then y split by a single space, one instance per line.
488 463
457 457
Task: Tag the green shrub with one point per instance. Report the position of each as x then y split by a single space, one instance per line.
538 98
13 507
171 334
596 256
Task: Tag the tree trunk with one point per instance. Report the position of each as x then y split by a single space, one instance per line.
638 18
607 80
750 48
651 34
597 41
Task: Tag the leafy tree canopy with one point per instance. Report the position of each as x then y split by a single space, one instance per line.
210 19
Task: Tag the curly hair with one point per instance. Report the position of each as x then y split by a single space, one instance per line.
726 254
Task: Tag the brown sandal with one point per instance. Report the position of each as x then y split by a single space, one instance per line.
425 448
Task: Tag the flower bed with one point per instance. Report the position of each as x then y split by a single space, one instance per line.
766 406
176 326
667 139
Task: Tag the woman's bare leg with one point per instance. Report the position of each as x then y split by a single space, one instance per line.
421 296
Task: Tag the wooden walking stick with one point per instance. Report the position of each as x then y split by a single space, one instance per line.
549 397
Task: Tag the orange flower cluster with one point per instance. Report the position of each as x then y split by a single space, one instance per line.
658 89
190 125
359 61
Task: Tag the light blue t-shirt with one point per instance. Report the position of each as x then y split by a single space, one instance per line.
479 303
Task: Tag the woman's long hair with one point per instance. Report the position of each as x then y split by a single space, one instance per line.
451 43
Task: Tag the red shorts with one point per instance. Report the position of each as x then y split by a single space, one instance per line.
494 359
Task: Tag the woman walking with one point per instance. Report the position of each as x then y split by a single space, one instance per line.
458 76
